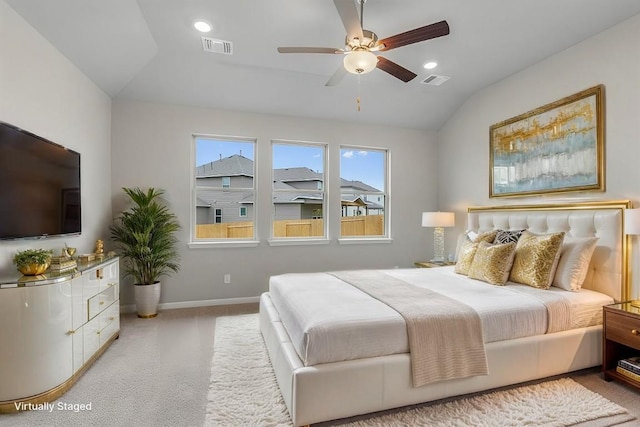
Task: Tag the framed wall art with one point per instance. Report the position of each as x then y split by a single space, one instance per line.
555 148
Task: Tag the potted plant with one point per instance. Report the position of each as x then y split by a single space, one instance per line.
32 262
145 237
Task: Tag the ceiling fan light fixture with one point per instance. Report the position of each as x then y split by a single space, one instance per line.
360 61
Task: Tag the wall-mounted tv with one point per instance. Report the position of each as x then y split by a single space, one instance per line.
39 186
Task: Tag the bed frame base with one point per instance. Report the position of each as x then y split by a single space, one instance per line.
344 389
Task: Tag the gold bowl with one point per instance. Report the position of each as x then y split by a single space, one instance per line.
33 269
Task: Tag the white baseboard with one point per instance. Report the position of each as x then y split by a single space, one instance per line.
189 304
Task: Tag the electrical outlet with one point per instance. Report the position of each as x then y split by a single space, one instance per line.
227 279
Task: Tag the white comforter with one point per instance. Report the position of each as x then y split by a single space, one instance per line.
329 320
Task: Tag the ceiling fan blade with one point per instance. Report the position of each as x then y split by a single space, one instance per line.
309 50
395 70
350 19
337 76
427 32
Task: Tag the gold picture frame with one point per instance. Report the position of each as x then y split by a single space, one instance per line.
556 148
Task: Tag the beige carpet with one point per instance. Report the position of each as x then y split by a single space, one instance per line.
243 391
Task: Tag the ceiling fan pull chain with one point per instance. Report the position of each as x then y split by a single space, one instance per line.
358 94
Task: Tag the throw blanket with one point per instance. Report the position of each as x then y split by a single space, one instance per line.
445 336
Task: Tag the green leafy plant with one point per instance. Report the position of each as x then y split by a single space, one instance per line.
145 236
32 256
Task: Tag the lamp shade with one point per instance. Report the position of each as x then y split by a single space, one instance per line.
360 61
632 221
438 219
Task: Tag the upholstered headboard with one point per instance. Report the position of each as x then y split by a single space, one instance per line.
608 271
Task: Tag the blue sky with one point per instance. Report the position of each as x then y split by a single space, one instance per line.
355 164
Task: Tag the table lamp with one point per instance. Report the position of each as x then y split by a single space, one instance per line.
632 228
438 220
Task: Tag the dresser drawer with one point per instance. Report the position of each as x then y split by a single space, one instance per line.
623 329
102 300
109 322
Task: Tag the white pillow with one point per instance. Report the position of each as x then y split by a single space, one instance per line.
575 257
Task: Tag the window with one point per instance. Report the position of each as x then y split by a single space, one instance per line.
298 190
224 189
363 183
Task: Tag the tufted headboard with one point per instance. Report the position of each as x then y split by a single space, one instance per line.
608 271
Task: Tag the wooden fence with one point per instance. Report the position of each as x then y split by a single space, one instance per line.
368 225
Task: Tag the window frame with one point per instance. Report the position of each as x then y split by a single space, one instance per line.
306 240
386 194
202 243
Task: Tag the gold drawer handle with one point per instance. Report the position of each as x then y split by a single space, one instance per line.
101 302
71 332
111 318
635 332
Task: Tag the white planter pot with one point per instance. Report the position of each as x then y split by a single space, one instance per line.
147 298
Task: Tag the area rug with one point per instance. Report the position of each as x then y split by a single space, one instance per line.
243 391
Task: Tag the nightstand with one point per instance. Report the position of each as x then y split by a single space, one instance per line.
621 339
431 264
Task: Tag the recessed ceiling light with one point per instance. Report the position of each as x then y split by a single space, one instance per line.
202 25
430 65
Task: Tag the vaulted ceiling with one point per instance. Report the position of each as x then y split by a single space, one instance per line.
149 50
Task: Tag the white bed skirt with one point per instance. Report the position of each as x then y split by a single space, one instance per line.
343 389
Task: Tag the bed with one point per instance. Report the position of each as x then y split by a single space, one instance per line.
373 371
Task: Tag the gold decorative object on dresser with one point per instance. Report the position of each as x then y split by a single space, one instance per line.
621 340
32 262
52 328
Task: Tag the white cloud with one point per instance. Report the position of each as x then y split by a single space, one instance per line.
362 153
347 154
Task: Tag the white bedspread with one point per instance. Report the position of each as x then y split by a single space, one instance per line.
329 320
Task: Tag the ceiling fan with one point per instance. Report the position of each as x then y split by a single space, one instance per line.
360 44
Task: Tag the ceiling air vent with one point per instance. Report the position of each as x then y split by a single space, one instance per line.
217 46
435 80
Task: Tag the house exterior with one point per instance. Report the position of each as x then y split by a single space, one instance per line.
224 190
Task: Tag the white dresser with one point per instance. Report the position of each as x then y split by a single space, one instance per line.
52 327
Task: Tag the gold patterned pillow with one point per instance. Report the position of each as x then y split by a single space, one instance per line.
465 256
536 259
487 236
492 263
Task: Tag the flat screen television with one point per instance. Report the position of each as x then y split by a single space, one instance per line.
39 186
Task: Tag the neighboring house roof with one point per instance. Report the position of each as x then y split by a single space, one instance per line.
354 201
356 185
207 199
235 165
201 203
296 174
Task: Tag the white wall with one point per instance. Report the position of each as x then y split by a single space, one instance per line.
42 92
611 58
151 146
